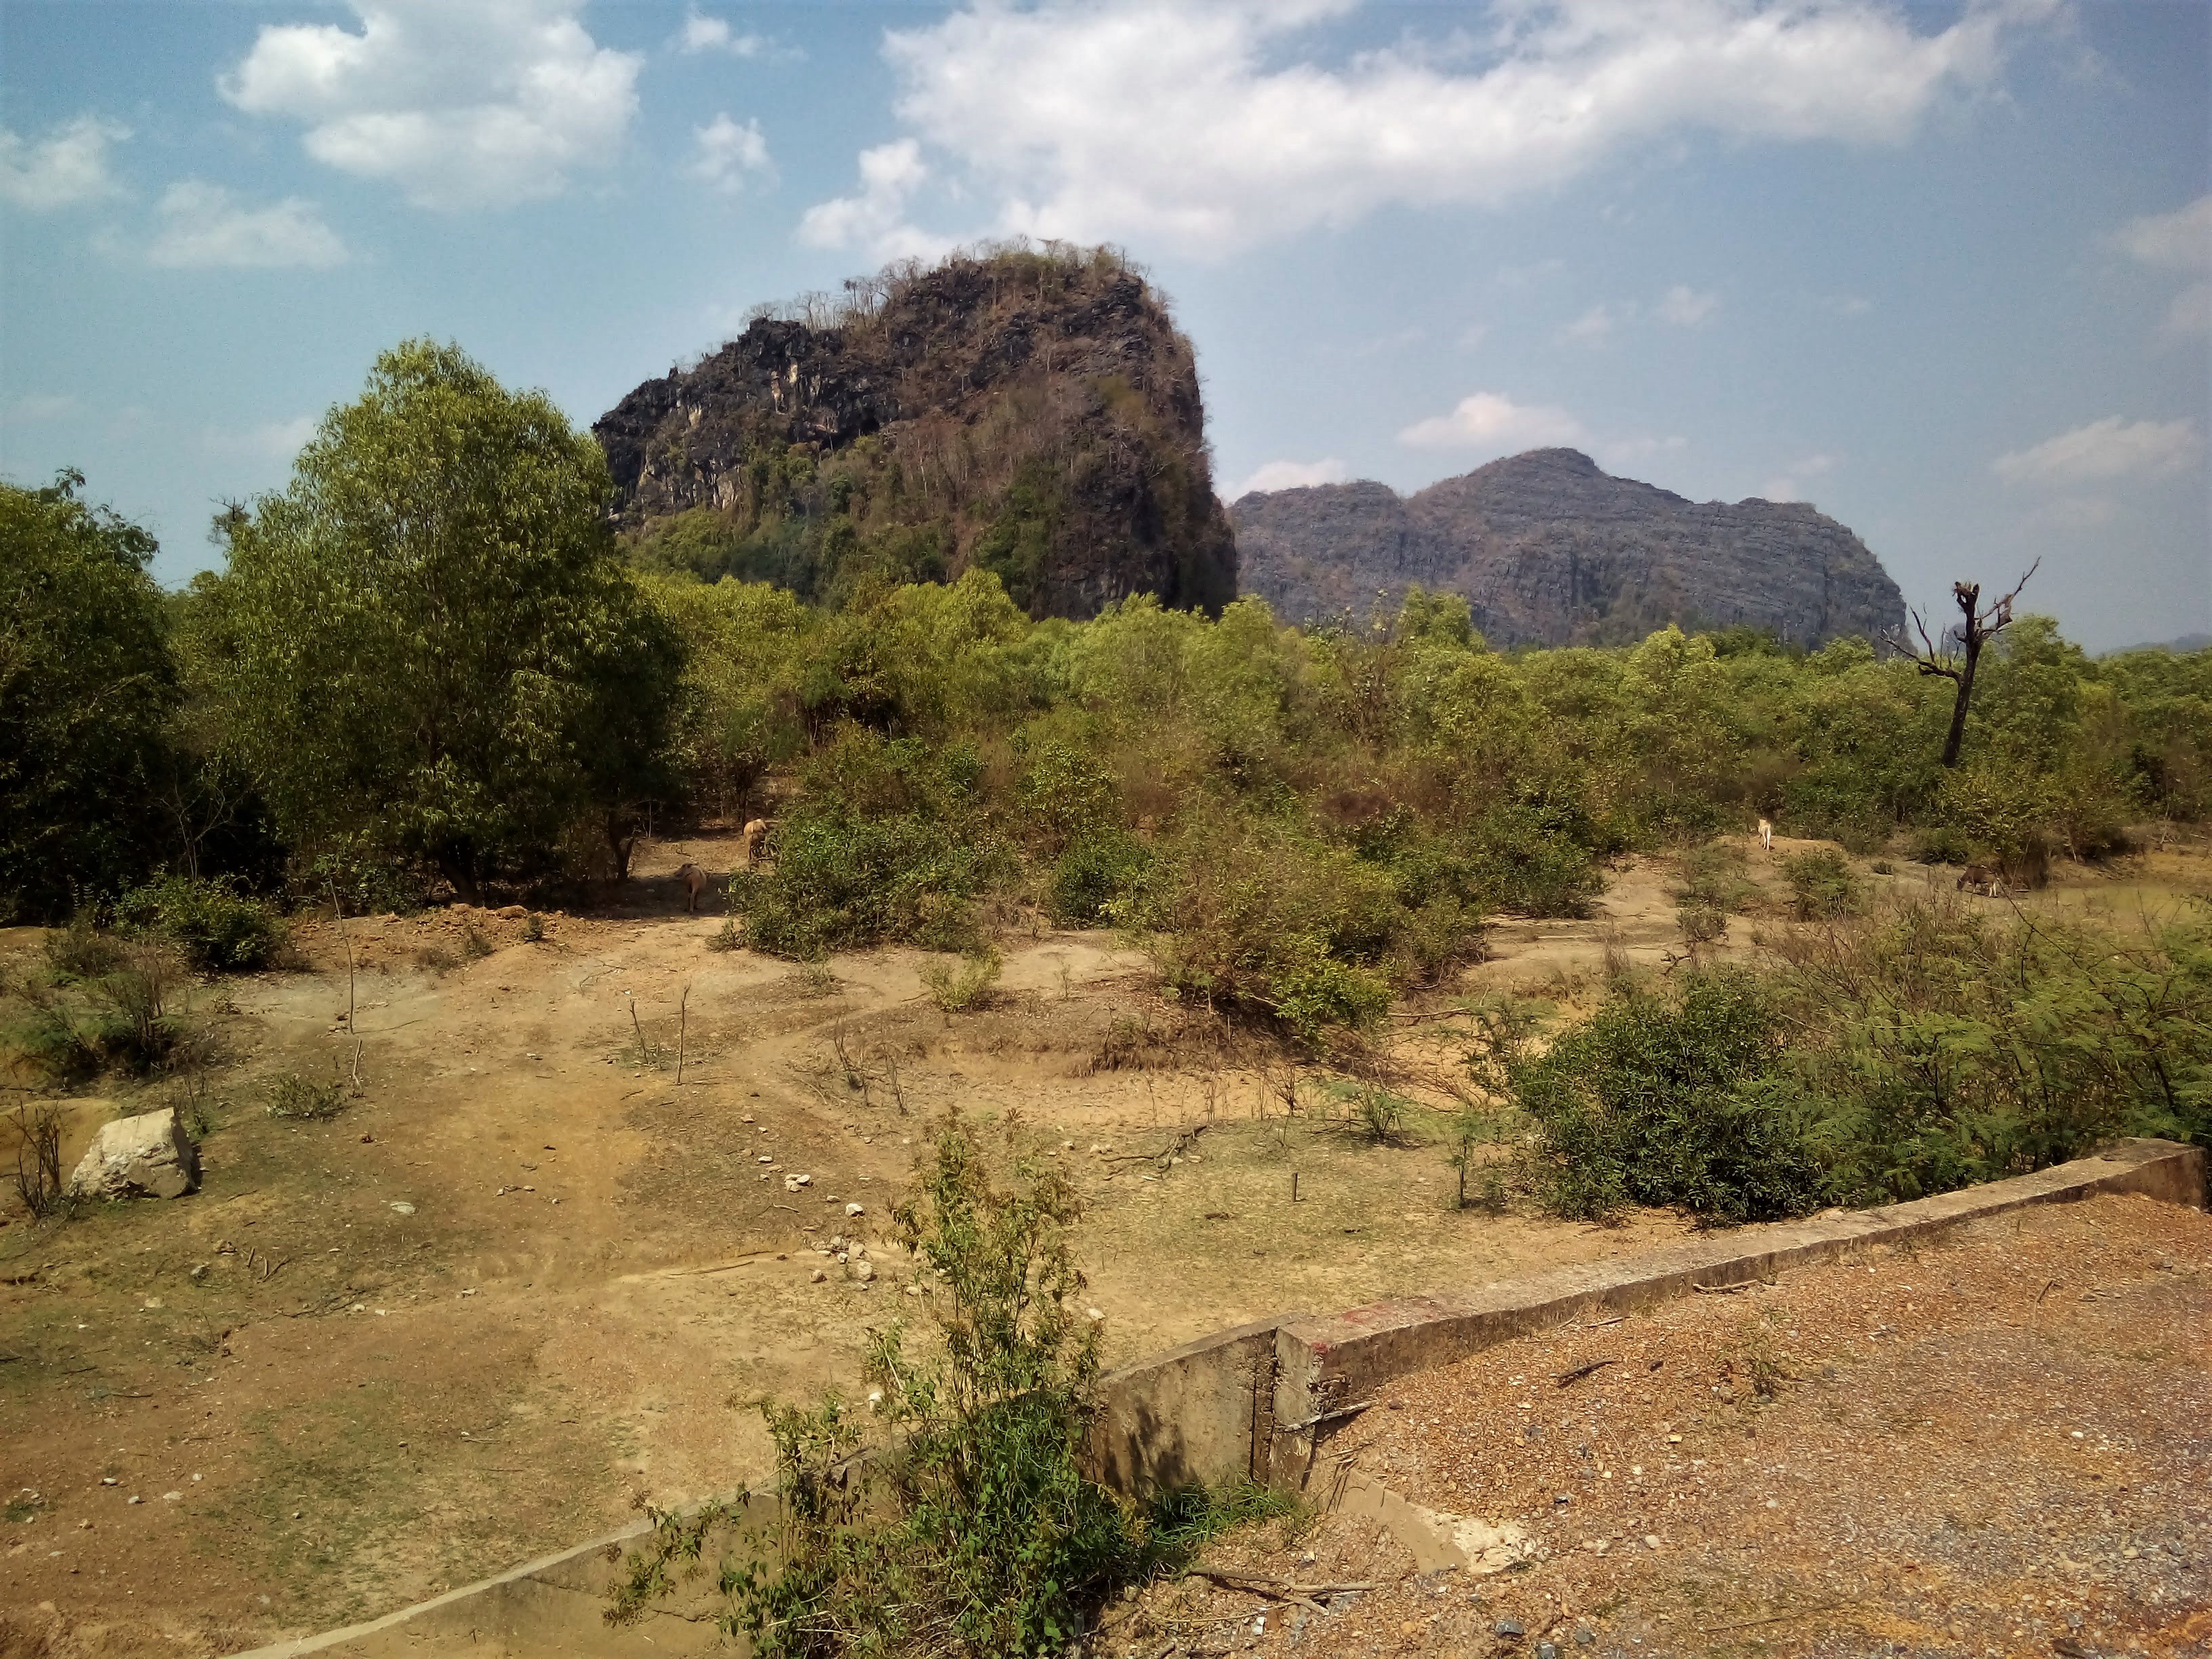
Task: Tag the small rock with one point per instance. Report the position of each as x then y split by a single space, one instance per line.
1546 1650
511 913
146 1156
107 1480
172 1496
1651 1540
1584 1636
819 1275
134 1498
864 1271
1512 1628
401 1207
792 1183
856 1209
199 1270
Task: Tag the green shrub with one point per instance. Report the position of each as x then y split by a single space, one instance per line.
1097 870
844 882
966 1526
1262 918
295 1097
218 929
1713 879
1662 1100
1822 885
80 951
956 987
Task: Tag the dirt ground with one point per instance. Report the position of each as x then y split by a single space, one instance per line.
530 1275
1999 1444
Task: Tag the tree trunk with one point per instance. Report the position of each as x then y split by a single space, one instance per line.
1957 733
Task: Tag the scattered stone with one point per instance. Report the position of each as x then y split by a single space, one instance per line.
856 1209
134 1498
1512 1628
1651 1540
1547 1651
401 1206
819 1275
1584 1636
199 1270
864 1271
511 913
792 1183
149 1155
174 1497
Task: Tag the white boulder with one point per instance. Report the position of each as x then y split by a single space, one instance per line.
147 1156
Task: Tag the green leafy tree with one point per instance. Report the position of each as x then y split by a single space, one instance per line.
430 647
86 683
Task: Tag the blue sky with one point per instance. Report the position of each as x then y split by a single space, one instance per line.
1945 272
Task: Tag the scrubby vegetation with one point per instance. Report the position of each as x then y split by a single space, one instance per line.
949 1513
429 666
1919 1047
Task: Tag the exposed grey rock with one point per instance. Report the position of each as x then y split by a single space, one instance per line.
147 1156
1549 549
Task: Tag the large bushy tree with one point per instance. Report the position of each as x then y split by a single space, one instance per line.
86 683
427 645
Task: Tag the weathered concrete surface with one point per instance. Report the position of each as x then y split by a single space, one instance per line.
1198 1414
1326 1364
146 1156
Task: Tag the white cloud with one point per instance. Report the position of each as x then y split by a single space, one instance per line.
1595 326
204 227
1201 128
37 408
1290 475
1492 422
461 103
2103 449
67 166
1684 307
701 33
275 440
1618 453
1847 305
1473 335
1789 487
725 155
875 220
2180 240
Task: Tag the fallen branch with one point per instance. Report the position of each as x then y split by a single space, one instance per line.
1720 1290
1568 1379
1167 1155
1276 1590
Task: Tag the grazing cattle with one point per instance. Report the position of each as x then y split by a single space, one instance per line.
1767 834
756 840
695 883
1980 878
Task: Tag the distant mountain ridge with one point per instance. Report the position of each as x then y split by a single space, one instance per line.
1548 548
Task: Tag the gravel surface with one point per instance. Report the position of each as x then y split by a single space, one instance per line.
1998 1444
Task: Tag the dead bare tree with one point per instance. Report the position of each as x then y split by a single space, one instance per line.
1936 656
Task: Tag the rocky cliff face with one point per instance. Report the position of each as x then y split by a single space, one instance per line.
1034 413
1549 549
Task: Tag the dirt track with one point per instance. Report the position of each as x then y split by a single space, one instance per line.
526 1279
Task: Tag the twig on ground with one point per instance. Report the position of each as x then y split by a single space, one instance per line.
1776 1618
1567 1379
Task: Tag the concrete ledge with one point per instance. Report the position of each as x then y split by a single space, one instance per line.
1322 1364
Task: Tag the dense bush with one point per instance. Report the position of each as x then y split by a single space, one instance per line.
218 929
1647 1102
1919 1049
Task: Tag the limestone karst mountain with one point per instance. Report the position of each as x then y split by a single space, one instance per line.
1034 412
1547 549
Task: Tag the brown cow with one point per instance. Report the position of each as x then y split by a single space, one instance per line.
695 883
1981 879
756 840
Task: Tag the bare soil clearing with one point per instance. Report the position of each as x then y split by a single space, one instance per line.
2001 1444
529 1277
